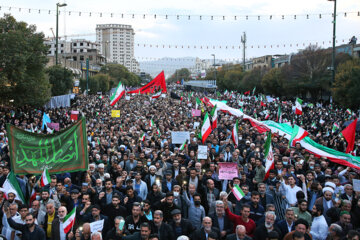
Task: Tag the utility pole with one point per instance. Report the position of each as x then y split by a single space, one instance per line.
87 76
243 41
58 5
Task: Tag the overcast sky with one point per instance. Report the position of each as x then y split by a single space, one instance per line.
218 32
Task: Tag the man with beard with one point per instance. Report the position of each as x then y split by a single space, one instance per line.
265 198
319 227
205 230
220 220
244 219
302 226
114 209
166 206
57 229
163 230
287 225
45 199
97 216
345 222
29 230
179 225
301 211
143 233
12 212
263 230
105 197
50 216
327 200
116 233
151 178
240 234
133 222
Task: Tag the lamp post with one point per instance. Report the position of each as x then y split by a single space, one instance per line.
333 47
214 67
57 29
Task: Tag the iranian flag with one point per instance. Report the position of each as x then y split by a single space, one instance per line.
234 134
269 156
298 108
297 135
205 129
11 185
313 125
183 146
238 193
158 132
45 178
152 124
278 116
32 196
156 95
214 117
348 111
142 137
335 128
120 91
267 115
69 221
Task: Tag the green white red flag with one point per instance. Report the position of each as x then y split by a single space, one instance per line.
69 221
183 146
11 185
119 92
348 111
335 127
142 137
269 156
238 193
234 134
205 129
152 124
298 107
214 117
45 178
297 135
279 115
156 95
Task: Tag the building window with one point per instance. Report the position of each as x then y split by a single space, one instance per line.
49 52
81 50
62 51
74 44
62 45
74 58
81 58
74 51
81 44
88 44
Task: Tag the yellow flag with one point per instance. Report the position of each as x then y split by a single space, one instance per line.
115 113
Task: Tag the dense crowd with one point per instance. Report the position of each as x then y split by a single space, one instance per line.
151 189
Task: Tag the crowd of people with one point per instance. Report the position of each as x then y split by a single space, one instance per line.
151 189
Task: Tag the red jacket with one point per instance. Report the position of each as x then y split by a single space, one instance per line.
237 220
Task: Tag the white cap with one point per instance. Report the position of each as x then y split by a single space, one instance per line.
101 165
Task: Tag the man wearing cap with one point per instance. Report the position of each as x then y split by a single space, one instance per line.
326 200
96 216
345 222
151 177
168 182
180 226
101 172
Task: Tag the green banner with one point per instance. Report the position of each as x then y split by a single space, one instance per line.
64 151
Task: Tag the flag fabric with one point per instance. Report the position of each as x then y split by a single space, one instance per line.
142 137
234 134
335 128
313 125
262 104
45 120
183 146
348 111
205 129
297 135
198 103
69 221
298 108
156 95
247 93
238 193
32 196
12 185
158 132
151 124
267 115
119 92
45 178
279 115
349 134
214 117
253 91
269 156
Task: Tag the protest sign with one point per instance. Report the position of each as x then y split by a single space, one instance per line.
97 226
202 152
356 185
228 170
55 126
180 137
64 151
163 95
196 112
115 113
127 98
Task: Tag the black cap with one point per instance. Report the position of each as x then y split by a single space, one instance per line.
96 206
74 191
175 211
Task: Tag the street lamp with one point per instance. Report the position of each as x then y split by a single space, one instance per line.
57 29
333 47
214 67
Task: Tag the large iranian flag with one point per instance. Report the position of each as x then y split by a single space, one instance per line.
120 91
205 129
214 117
269 156
234 134
297 135
11 185
298 108
45 178
156 95
69 221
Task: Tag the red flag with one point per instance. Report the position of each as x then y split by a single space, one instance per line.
349 135
247 93
263 104
158 81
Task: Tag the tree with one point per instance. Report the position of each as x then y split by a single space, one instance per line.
346 87
119 73
22 63
98 83
60 79
272 82
179 74
252 79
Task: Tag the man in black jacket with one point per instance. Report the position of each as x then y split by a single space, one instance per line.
220 220
179 225
163 230
114 209
30 230
203 232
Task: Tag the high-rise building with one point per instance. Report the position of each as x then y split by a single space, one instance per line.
116 43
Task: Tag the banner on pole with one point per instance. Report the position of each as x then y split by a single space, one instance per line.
64 151
115 113
228 170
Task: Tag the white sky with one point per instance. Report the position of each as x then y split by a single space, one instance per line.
205 32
